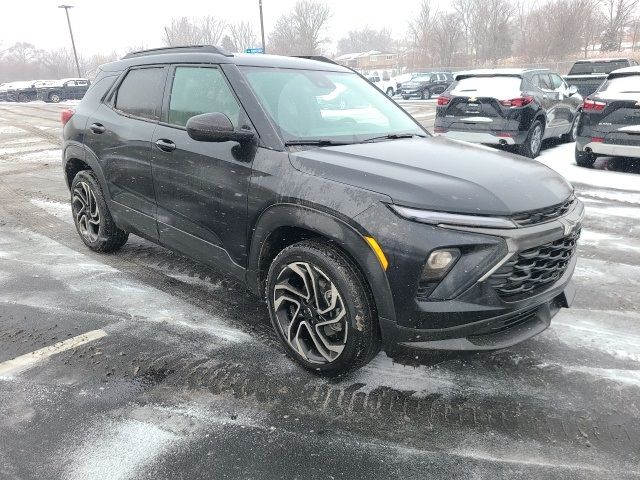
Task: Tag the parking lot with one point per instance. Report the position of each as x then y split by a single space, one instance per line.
144 364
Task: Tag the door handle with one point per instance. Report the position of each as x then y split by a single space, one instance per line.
165 145
97 128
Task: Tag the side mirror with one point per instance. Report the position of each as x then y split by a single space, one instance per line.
216 127
572 90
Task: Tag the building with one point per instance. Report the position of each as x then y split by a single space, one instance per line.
369 61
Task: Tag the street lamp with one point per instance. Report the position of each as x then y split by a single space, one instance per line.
264 50
73 43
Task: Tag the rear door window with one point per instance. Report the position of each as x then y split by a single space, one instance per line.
198 90
140 93
543 81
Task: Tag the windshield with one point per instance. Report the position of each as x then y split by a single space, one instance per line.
588 68
333 106
628 84
495 87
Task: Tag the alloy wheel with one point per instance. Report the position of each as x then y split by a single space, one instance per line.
86 211
310 312
536 139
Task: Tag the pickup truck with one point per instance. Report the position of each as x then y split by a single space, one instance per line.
64 89
589 74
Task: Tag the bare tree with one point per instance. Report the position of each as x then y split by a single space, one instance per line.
421 32
301 31
364 40
447 37
242 36
196 31
635 34
619 14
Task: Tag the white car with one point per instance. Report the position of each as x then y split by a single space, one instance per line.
387 86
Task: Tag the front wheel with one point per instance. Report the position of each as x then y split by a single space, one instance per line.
390 92
533 143
322 309
55 98
91 215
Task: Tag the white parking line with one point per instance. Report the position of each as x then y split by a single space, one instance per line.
28 360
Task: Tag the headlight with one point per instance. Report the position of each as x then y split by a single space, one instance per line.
444 218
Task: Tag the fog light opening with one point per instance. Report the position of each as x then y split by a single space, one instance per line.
439 263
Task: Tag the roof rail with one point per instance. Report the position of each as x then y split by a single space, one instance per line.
185 48
317 58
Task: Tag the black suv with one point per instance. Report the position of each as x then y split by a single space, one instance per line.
426 85
65 89
517 107
356 226
610 122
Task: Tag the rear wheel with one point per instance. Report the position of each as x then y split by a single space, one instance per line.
321 308
532 145
91 215
585 159
405 97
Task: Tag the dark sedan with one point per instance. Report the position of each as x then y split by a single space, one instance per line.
426 85
610 123
509 107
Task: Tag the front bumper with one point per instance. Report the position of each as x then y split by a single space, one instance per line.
479 318
612 150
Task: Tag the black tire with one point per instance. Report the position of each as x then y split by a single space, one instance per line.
532 146
107 237
360 329
585 159
571 136
405 97
54 97
389 92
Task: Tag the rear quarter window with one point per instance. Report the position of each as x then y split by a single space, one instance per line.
140 93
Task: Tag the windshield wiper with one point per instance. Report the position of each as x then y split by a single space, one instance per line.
393 136
319 143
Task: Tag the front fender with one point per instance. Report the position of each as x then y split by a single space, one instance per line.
348 237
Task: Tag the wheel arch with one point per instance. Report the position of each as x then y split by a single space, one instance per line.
285 224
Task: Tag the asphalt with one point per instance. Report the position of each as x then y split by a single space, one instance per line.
188 380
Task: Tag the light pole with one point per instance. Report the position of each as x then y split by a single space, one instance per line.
73 43
264 49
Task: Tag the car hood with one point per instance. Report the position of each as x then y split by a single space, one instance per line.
440 174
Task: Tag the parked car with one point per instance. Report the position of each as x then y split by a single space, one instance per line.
21 91
426 85
610 122
65 89
509 107
3 91
405 77
588 75
357 233
385 85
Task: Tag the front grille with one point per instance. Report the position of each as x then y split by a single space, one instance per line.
543 215
532 270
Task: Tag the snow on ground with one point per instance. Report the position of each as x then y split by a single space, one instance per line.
54 266
562 160
10 130
57 209
599 239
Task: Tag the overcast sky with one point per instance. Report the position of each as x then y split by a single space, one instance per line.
107 25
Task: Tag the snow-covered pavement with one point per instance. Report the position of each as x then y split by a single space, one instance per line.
189 382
